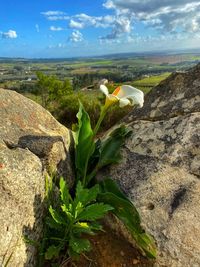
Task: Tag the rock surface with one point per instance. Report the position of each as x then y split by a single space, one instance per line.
160 171
32 143
177 95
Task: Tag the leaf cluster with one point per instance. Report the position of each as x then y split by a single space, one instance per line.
90 157
76 215
74 218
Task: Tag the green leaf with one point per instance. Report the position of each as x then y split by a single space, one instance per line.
94 212
53 224
64 191
109 185
82 227
84 142
79 245
92 194
84 195
81 193
72 254
96 226
79 208
56 216
52 252
128 214
67 211
107 151
110 147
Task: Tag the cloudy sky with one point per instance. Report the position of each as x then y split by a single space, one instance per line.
66 28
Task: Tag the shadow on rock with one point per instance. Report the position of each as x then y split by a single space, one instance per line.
52 152
33 235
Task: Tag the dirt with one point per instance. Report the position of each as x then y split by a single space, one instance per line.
110 250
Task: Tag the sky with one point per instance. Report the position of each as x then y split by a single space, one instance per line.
66 28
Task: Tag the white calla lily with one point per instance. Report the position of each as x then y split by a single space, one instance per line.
125 94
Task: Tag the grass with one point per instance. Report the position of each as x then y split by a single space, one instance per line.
152 80
147 83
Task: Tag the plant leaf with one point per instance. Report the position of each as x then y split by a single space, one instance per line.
53 224
56 216
84 143
107 151
92 194
64 192
82 227
52 252
94 212
67 211
128 214
79 245
96 226
110 147
109 185
72 254
84 195
79 208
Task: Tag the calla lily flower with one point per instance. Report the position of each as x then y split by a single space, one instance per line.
125 94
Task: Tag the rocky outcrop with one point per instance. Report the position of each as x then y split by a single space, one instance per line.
32 144
179 94
160 170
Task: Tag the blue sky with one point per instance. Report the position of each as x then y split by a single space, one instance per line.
63 28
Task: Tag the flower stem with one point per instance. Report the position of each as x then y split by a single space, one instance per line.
102 115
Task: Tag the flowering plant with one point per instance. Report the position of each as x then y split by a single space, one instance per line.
91 155
90 199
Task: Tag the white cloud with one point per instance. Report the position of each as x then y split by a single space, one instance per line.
168 15
165 17
76 36
37 28
54 18
76 25
121 25
82 20
55 15
60 45
56 29
9 35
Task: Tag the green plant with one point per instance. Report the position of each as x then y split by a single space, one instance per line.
98 154
72 219
51 88
78 211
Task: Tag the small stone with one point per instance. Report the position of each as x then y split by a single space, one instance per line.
135 261
122 253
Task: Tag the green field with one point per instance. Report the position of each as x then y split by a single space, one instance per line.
147 83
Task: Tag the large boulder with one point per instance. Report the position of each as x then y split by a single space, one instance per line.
160 170
32 145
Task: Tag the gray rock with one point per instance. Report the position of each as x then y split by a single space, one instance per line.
179 94
32 144
160 170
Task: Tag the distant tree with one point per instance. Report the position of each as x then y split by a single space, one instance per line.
51 88
83 80
18 68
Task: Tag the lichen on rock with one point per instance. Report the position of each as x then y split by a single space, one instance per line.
160 170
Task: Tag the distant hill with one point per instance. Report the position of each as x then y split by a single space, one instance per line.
106 56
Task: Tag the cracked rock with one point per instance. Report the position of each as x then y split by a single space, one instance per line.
32 144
